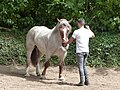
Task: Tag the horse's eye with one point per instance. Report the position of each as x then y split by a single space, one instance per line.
67 31
64 24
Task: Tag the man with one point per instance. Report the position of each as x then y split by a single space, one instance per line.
82 36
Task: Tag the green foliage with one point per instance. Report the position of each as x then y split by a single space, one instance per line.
104 50
12 49
106 15
11 12
23 14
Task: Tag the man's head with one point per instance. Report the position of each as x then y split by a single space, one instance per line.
80 22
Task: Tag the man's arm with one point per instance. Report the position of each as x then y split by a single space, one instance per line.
70 40
93 35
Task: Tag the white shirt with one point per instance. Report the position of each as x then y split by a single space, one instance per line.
82 36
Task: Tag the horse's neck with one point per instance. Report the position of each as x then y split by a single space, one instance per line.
56 33
55 29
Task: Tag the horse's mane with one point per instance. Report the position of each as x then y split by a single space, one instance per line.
53 28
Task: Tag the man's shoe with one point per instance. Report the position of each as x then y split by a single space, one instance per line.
87 83
80 84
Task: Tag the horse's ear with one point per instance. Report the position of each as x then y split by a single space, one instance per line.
70 20
58 20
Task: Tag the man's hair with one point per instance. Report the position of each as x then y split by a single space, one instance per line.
81 21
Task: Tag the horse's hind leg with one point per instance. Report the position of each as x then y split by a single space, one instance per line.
29 48
38 69
38 65
46 65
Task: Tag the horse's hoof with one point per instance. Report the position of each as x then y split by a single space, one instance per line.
42 77
62 79
27 75
38 74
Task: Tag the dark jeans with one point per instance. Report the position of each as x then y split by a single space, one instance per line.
81 59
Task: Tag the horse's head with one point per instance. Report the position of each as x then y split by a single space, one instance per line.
64 27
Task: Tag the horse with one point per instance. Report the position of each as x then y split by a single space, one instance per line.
41 40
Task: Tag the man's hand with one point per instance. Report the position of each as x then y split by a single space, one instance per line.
93 35
69 42
64 44
87 27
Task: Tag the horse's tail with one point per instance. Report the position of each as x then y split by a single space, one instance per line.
34 56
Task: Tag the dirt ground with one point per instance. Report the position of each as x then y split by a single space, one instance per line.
12 78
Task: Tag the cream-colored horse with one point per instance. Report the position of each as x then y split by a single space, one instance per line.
49 42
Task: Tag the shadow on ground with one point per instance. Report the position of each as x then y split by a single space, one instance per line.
20 72
101 71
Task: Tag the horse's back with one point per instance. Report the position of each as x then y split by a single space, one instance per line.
38 31
39 35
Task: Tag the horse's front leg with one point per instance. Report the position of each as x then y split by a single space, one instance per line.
61 65
61 70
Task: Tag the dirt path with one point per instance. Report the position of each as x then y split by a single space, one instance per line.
12 78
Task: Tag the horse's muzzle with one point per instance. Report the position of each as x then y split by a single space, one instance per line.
64 44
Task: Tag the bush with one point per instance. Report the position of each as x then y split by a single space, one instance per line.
12 48
23 14
104 50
